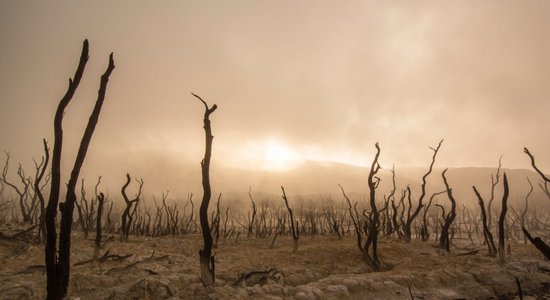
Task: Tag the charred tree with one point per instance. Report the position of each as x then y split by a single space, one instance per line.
98 233
444 241
424 233
83 215
23 192
40 171
128 213
494 182
206 259
370 248
58 262
391 219
526 208
488 236
293 226
411 217
545 179
253 218
501 219
538 243
354 215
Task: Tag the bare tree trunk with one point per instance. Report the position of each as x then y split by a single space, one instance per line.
410 218
127 216
494 181
101 201
545 178
538 243
492 250
253 218
444 241
22 193
38 191
58 264
424 233
524 213
355 219
206 259
501 237
370 249
293 226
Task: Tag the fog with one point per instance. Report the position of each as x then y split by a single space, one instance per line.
294 82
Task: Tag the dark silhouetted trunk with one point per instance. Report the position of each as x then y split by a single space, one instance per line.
501 219
444 241
293 226
411 217
58 262
206 259
545 178
371 244
101 202
538 243
491 248
38 190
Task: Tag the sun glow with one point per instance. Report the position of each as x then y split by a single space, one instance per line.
278 156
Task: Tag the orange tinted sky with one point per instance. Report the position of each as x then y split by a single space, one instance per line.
293 80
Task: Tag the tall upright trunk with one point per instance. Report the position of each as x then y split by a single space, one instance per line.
501 219
206 259
58 262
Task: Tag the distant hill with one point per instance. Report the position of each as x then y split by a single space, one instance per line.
315 177
321 178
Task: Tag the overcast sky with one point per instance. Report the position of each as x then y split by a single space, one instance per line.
314 80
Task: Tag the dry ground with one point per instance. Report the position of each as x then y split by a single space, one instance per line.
323 268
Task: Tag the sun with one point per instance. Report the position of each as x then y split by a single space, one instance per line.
278 156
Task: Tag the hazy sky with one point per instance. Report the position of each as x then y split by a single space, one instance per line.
321 80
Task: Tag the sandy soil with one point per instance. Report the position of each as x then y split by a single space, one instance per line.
323 268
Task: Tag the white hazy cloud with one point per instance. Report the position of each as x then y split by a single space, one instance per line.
325 79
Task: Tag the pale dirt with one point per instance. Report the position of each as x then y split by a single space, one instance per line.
323 268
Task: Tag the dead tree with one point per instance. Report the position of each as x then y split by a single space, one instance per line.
444 242
40 171
334 221
58 262
468 222
370 248
293 226
494 182
424 233
253 218
391 220
206 259
354 215
488 236
4 204
191 221
501 219
83 213
538 243
524 213
545 179
395 216
98 233
22 192
227 231
410 218
128 213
